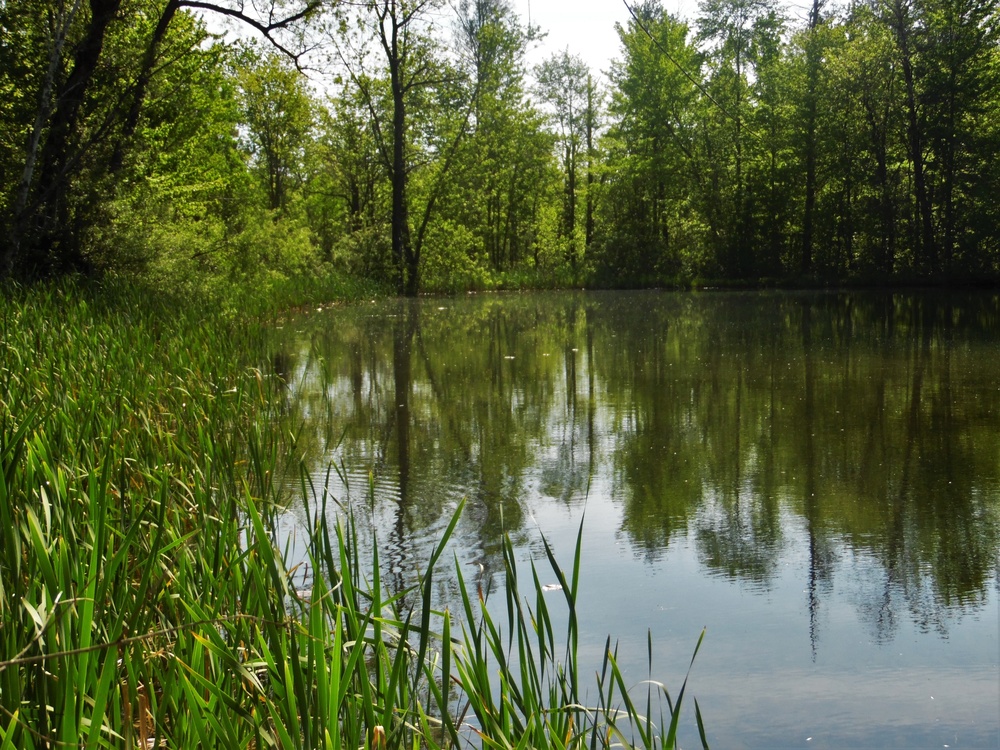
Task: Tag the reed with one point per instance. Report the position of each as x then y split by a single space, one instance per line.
145 600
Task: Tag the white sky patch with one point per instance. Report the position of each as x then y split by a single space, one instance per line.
586 27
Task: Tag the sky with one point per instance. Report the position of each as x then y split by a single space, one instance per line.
586 27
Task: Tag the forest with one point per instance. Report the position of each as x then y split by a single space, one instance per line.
411 143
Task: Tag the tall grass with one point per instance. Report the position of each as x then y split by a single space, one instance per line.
144 597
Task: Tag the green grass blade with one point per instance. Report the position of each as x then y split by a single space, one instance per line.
701 725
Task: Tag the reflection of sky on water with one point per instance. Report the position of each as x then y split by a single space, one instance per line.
817 636
757 677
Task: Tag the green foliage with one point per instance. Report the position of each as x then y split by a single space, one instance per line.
453 261
855 146
647 224
566 86
505 169
276 111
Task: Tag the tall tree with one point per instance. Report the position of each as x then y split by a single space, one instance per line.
345 191
959 83
646 207
809 115
770 181
899 16
506 159
866 159
418 80
591 125
277 113
565 85
736 33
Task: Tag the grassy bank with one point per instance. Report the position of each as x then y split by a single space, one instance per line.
144 602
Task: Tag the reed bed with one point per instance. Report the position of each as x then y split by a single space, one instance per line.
144 597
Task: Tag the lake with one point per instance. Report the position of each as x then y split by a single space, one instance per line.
813 477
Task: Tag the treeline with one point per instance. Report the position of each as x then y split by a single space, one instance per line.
858 144
410 141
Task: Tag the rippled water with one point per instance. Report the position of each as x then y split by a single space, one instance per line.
815 478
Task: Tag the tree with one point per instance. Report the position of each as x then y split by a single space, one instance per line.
566 86
858 209
396 20
345 186
651 163
809 115
591 125
898 15
492 44
737 34
277 113
415 76
86 111
505 162
959 83
770 174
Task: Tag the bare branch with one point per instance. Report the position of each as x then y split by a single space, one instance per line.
267 29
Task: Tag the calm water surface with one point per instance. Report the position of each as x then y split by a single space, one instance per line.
815 478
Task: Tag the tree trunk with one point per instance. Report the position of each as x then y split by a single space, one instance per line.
887 241
402 250
591 127
44 222
569 215
812 85
927 260
142 85
11 249
404 259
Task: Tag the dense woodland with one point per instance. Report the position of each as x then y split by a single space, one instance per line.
409 141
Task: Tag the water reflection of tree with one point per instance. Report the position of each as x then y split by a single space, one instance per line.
890 486
939 537
839 407
740 534
438 404
652 417
714 416
821 552
569 448
403 329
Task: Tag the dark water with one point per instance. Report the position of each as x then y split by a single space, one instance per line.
815 478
